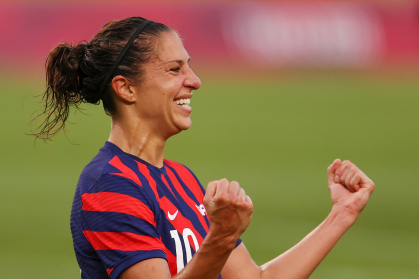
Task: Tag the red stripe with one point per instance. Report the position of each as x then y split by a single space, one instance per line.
125 171
109 271
115 202
188 178
171 260
180 222
187 199
167 184
144 170
123 241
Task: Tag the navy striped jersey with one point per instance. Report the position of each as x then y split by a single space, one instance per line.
126 210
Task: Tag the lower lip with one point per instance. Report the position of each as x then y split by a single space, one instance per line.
187 109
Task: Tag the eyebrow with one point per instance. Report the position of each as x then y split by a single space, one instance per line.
180 61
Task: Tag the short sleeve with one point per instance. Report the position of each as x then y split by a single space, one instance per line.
118 220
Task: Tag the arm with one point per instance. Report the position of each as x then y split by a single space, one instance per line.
229 211
350 190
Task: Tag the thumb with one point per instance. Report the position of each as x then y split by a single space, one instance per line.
331 171
367 184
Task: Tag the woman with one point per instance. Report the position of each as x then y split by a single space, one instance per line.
138 215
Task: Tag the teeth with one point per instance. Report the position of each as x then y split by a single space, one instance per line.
182 102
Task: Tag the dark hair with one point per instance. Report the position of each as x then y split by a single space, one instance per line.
74 74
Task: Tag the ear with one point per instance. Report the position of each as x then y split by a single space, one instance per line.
124 88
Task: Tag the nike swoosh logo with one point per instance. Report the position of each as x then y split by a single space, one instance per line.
172 217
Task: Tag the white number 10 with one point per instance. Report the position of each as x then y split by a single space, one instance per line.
179 250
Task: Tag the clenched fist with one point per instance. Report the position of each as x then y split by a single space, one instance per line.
229 208
349 187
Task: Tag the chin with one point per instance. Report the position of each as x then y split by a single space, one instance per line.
183 126
186 126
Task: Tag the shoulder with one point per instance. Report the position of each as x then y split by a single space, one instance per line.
113 182
112 170
107 161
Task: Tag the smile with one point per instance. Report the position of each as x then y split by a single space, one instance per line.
182 102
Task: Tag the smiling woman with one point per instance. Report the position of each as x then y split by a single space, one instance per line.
163 104
138 215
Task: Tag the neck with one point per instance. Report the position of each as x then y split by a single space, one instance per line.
137 139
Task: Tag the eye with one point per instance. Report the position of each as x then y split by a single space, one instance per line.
175 69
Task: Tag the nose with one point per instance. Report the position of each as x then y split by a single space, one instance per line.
192 80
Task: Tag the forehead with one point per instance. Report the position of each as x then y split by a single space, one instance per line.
170 48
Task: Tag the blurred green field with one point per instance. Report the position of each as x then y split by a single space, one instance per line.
276 136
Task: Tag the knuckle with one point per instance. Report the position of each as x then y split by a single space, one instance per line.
223 182
248 200
234 185
221 196
354 179
372 186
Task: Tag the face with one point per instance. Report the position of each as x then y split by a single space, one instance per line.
166 89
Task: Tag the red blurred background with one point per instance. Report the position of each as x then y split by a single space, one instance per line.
268 34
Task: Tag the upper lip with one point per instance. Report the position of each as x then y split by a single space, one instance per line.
183 96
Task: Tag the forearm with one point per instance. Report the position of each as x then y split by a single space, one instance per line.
210 259
350 190
302 259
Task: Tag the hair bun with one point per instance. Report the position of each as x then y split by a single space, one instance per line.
88 71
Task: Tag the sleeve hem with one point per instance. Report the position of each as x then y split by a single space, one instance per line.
121 267
238 242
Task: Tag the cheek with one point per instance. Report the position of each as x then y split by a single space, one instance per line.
169 88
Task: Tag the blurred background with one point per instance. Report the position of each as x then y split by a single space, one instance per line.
287 87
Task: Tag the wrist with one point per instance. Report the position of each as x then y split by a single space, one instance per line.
221 242
343 215
211 257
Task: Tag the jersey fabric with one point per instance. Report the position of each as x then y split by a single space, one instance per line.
126 210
